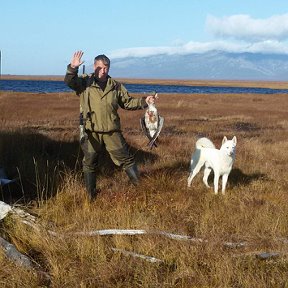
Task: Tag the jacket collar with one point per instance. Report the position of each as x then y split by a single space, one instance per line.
110 85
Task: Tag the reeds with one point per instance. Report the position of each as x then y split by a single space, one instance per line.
252 216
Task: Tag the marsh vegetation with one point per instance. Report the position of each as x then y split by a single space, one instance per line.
39 144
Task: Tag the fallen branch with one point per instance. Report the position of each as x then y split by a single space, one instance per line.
13 254
22 260
136 232
136 255
4 209
260 255
30 220
10 250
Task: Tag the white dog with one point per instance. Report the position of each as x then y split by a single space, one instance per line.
220 161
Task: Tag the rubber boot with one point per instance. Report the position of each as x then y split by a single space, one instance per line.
133 174
90 182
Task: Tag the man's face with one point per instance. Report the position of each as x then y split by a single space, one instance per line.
101 70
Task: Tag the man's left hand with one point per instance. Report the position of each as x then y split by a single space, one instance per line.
150 99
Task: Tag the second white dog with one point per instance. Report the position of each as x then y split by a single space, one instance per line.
219 160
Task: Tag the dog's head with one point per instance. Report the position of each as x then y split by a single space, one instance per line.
229 146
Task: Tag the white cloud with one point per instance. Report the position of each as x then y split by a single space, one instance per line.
268 46
260 35
141 51
246 28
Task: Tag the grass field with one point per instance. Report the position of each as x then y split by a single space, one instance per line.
226 235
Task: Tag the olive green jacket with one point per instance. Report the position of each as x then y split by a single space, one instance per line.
99 107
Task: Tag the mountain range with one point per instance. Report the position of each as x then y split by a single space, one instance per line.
213 65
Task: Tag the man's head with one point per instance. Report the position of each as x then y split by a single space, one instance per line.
101 67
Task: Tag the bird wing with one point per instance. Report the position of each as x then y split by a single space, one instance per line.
144 128
159 128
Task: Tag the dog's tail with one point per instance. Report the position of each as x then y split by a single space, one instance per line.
204 143
196 157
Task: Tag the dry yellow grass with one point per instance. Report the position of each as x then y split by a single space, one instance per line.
39 142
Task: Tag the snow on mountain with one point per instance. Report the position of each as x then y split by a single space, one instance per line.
215 65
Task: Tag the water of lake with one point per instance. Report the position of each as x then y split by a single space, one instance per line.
44 86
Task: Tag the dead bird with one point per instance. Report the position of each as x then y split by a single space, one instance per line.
152 123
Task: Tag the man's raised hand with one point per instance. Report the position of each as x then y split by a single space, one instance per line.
76 59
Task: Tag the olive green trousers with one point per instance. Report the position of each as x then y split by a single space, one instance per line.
115 145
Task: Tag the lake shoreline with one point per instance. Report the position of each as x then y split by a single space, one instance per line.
191 82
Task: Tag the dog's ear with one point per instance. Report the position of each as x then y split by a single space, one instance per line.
234 140
224 140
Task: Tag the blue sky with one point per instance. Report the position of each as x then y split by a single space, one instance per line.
38 37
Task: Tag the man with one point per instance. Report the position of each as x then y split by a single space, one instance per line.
100 98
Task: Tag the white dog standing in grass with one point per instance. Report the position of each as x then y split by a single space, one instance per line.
219 160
